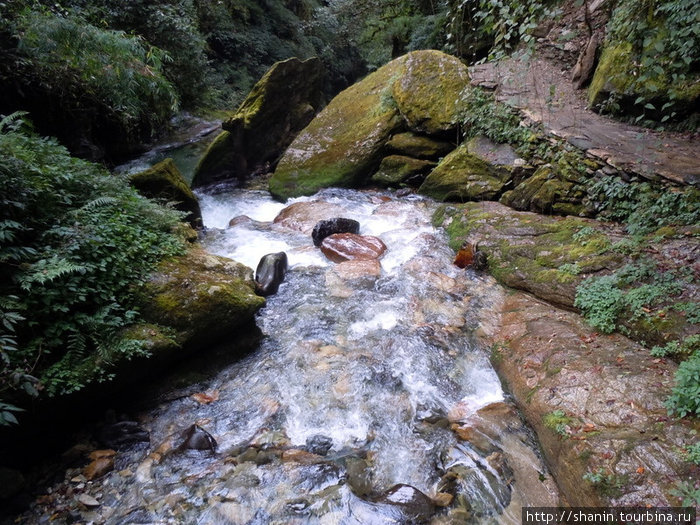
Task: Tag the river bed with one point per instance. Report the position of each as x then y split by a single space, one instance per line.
368 400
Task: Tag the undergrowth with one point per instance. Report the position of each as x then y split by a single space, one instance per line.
74 240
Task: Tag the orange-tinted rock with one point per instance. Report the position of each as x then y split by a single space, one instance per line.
300 456
98 468
465 256
347 246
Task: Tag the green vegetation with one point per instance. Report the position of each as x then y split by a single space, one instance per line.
558 421
687 493
650 60
635 289
483 115
121 71
74 240
606 483
692 453
492 29
685 397
642 206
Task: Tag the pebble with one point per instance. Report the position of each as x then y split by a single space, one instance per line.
88 501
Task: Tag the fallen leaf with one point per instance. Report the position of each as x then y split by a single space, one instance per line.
588 427
640 470
204 398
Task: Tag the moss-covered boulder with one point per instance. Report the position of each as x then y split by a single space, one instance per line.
344 144
283 101
576 262
429 91
476 170
199 298
532 252
546 192
396 170
418 146
164 181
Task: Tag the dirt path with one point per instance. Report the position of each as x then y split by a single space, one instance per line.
544 93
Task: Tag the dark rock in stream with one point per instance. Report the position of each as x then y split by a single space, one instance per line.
328 227
196 438
122 434
412 504
319 444
270 273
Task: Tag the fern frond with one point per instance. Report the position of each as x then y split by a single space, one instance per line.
12 121
47 270
98 203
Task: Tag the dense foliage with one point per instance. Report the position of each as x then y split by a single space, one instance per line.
74 240
479 29
664 47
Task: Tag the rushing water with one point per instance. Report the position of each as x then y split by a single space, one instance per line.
352 391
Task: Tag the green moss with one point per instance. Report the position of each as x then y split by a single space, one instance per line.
429 92
418 146
462 176
200 296
218 160
164 181
396 169
344 144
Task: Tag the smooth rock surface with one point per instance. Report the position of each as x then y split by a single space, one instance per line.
346 246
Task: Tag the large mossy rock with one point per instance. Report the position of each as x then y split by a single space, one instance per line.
396 170
547 192
476 170
344 144
199 298
164 181
551 256
418 146
428 92
283 101
596 403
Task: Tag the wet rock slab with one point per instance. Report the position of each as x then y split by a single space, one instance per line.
341 247
609 393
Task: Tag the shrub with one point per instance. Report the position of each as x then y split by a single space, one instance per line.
74 240
685 397
121 72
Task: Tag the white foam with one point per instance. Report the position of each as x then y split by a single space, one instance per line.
383 320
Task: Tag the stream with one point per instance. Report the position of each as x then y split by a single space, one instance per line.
367 401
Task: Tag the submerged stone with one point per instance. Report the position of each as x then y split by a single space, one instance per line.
303 216
413 505
196 438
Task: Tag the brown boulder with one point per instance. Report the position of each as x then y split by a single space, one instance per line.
346 246
303 216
